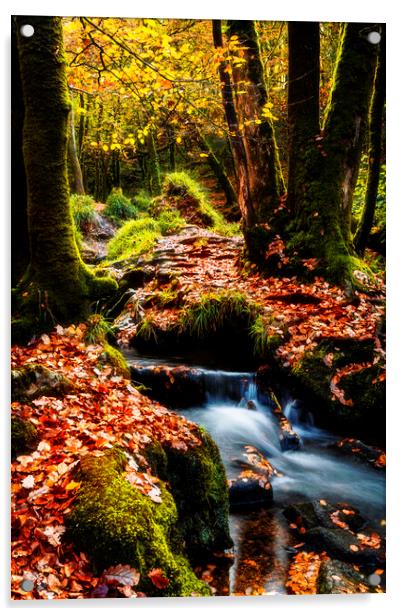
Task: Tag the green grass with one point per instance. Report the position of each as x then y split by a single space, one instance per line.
181 186
142 201
119 207
97 329
83 211
214 310
134 238
170 221
147 330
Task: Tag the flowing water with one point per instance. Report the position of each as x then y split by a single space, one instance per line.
315 471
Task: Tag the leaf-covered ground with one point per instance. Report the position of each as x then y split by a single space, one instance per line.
103 410
302 313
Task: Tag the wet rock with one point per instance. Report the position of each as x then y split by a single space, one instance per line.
344 545
171 385
310 515
137 277
372 456
33 381
338 578
249 491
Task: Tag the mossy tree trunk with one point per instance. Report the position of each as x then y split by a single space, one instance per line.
57 285
374 152
19 214
303 107
218 169
321 226
154 173
73 154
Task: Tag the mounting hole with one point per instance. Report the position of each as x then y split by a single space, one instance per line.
374 38
374 579
27 30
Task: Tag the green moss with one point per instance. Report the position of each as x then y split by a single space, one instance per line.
316 369
24 436
198 482
119 207
114 523
134 238
115 358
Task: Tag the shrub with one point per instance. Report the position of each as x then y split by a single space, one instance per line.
134 238
142 201
83 210
119 207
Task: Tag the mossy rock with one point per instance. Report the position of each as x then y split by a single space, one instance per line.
338 578
115 358
198 483
115 523
313 374
24 436
34 380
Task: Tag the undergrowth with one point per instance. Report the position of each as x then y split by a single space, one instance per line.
83 211
119 207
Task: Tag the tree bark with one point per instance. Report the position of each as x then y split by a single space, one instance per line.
73 155
218 170
374 151
321 227
19 213
246 205
303 107
265 176
57 285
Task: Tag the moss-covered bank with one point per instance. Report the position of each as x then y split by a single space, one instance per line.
114 523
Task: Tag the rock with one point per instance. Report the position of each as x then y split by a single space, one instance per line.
372 456
33 381
338 578
136 277
250 491
113 522
320 513
24 436
343 545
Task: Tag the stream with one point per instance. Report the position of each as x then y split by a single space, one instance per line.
262 541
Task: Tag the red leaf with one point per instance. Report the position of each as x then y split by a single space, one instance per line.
158 579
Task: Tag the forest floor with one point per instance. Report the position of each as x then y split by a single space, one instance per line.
103 407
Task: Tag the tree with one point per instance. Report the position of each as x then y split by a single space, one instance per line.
19 216
321 222
57 284
303 107
374 150
73 154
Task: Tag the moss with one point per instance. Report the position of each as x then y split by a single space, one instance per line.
114 523
34 380
115 358
198 483
119 207
57 286
24 436
314 373
183 193
134 238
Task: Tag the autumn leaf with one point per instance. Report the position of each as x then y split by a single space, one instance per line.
158 579
122 575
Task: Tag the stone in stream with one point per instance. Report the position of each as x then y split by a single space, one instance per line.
252 487
372 456
338 578
346 546
320 513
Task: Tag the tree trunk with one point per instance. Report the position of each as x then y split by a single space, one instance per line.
57 286
73 155
303 107
374 152
251 99
321 227
19 213
244 199
218 170
154 173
